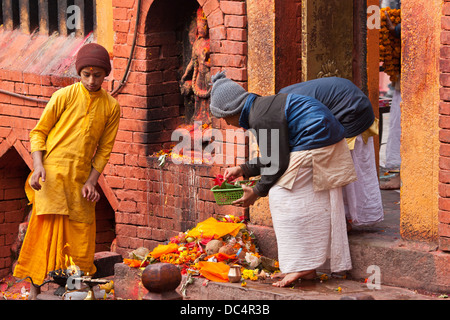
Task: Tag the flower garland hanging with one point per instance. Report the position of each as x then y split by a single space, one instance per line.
390 46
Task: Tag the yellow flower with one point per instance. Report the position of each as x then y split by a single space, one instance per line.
249 274
323 277
243 284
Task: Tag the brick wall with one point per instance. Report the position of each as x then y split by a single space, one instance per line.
150 203
444 133
13 205
155 203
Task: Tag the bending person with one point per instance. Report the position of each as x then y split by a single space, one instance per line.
352 108
303 167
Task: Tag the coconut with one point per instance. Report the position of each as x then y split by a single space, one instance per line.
213 246
227 249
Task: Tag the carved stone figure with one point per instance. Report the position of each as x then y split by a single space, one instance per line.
196 78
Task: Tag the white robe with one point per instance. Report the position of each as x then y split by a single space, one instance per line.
362 198
393 158
309 225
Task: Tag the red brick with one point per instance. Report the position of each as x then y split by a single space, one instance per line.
233 7
14 193
444 203
145 233
238 74
444 149
116 158
444 135
121 26
120 13
444 108
131 183
444 121
218 33
234 47
210 6
444 65
126 136
115 182
131 160
444 163
237 34
133 125
7 85
15 75
446 9
444 243
445 23
120 50
444 216
228 60
140 137
58 81
123 3
445 52
215 19
444 176
126 230
444 230
127 206
14 216
445 37
232 21
444 79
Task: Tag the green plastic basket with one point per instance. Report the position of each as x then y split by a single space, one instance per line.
227 196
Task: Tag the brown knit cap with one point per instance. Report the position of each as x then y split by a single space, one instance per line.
93 55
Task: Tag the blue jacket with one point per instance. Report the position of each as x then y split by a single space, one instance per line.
302 123
344 99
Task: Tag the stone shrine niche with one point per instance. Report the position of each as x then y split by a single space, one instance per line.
170 28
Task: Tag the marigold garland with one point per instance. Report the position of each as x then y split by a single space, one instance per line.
390 46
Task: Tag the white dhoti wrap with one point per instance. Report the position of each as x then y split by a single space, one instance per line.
309 225
362 198
393 157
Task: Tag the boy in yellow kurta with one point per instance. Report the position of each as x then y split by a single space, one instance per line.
70 146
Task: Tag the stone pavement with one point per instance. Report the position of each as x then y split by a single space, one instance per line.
334 288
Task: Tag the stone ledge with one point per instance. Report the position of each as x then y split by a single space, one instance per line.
127 285
104 262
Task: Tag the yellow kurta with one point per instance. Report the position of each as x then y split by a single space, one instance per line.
75 124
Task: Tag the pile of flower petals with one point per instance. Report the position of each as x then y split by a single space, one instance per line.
188 250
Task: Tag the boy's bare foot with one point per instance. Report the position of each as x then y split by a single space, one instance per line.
290 278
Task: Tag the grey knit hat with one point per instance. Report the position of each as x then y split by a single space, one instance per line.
227 97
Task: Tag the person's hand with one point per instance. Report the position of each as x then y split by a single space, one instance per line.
248 198
233 173
39 173
89 192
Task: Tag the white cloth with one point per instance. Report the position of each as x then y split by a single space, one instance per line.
393 159
362 198
332 167
309 225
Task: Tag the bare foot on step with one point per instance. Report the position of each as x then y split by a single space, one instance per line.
292 277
